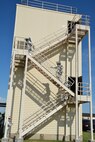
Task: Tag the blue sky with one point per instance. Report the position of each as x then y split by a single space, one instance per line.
7 19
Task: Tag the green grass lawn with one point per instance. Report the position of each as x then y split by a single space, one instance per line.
41 141
86 137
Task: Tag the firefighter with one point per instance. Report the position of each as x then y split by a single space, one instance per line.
59 70
29 45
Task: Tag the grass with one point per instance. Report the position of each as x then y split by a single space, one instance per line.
86 137
41 141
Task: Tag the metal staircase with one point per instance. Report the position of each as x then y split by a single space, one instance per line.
61 36
44 114
41 62
55 104
52 40
63 83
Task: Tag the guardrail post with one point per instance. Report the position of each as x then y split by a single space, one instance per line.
22 101
76 74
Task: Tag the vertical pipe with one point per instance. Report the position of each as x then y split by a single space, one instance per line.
6 129
76 72
67 62
22 98
90 83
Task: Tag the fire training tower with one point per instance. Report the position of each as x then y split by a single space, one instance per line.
46 90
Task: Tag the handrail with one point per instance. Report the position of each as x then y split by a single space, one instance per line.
43 42
42 112
38 112
52 95
49 6
84 20
65 79
84 88
49 66
55 7
41 109
46 41
44 105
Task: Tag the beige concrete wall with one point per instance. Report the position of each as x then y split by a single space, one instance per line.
15 93
38 23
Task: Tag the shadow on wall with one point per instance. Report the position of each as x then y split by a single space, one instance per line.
37 91
33 93
17 83
51 52
65 119
41 127
66 55
38 95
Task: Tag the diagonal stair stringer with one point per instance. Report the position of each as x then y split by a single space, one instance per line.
50 75
44 118
50 45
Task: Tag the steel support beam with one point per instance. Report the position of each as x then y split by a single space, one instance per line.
22 100
76 74
90 83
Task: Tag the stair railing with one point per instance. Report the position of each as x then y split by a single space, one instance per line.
46 41
68 81
84 88
38 114
43 43
51 67
52 95
43 112
49 6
